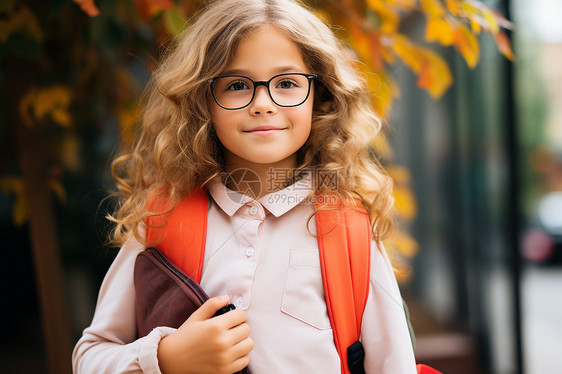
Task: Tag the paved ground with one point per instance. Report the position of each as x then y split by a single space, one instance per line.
542 320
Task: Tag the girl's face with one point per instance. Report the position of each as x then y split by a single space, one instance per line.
263 133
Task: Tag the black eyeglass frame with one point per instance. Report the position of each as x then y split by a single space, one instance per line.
256 84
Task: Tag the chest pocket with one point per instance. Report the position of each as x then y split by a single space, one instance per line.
303 295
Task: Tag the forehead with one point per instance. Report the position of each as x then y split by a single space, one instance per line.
265 52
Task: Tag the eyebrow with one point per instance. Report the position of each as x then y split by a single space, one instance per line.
279 70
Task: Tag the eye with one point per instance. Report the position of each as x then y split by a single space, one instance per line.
237 86
286 84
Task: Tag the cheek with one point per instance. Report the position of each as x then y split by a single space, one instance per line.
303 119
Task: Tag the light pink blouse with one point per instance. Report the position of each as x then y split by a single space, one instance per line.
262 255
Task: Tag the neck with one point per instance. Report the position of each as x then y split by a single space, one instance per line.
257 180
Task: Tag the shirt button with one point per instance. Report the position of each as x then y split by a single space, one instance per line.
238 303
249 251
253 210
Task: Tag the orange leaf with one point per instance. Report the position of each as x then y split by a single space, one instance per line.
162 4
439 30
433 71
149 8
88 7
504 45
467 45
435 76
376 49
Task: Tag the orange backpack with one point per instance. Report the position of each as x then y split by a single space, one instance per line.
344 249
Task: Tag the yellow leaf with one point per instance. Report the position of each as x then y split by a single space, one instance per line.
382 147
20 211
405 203
399 174
128 116
467 45
489 16
403 243
404 4
390 19
50 102
439 30
468 8
20 20
382 92
475 26
25 104
61 116
453 7
433 8
56 186
323 15
403 273
407 52
70 151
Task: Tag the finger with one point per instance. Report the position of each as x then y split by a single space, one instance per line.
239 364
238 333
242 348
209 308
232 319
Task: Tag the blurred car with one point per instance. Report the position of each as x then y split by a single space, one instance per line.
543 243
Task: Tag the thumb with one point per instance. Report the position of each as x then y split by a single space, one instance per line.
209 308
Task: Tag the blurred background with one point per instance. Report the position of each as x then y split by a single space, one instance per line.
474 143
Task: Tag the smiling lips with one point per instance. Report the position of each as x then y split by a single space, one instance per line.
264 130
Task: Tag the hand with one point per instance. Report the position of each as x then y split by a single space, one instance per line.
207 344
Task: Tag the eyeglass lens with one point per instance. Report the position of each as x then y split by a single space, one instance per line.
237 91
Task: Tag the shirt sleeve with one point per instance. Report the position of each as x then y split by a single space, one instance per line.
109 344
384 330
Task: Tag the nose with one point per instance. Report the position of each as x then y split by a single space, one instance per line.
262 103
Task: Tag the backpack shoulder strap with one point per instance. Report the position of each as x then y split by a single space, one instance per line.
344 249
183 228
344 242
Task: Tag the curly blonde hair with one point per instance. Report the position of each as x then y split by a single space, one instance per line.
178 150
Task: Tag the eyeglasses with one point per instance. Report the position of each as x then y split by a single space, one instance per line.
233 92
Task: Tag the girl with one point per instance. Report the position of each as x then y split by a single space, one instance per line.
257 104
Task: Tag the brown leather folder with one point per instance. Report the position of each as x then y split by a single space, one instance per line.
165 296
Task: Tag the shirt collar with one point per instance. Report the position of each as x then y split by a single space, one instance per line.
278 202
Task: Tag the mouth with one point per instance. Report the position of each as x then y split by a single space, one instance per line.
265 130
